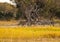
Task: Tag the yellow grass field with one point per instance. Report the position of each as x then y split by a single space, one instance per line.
29 32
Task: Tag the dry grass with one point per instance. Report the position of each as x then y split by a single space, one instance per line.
4 23
29 34
31 40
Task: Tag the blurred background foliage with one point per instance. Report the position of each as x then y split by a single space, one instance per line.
30 10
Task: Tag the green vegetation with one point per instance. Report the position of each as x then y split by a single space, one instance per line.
31 10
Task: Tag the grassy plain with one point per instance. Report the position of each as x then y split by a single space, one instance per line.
29 34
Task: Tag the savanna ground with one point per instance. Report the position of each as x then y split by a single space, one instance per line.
41 33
